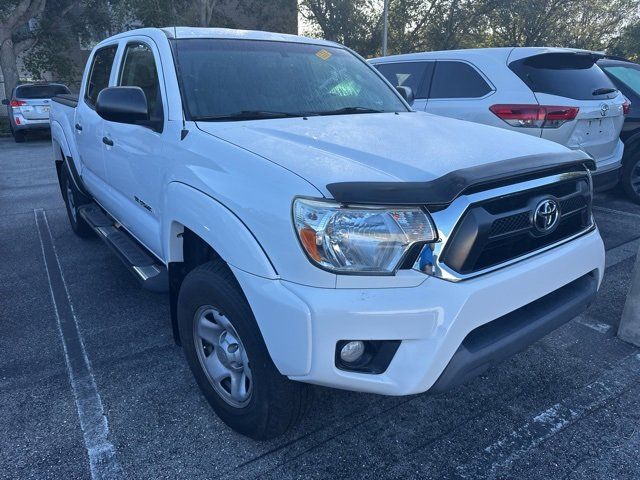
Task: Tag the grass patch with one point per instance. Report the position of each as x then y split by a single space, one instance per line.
4 125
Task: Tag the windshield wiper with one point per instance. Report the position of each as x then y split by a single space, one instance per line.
349 110
603 91
247 115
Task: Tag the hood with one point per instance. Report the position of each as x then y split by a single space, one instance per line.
385 147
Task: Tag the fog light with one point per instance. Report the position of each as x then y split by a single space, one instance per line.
352 351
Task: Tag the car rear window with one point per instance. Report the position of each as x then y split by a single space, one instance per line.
41 91
457 80
570 75
408 74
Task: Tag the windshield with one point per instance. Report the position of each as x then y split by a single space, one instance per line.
41 91
630 76
226 79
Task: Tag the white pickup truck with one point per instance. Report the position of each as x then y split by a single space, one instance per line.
309 227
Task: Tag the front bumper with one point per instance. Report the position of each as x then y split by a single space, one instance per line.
301 324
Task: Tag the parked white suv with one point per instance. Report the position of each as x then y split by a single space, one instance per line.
554 93
309 227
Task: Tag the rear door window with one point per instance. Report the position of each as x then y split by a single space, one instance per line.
629 76
40 91
416 75
570 75
453 79
100 72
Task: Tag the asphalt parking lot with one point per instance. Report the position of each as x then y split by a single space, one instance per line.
568 407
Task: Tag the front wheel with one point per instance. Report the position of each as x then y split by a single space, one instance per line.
229 359
631 178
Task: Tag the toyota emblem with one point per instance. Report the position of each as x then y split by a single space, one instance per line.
546 215
604 109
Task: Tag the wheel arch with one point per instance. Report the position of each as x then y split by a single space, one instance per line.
197 229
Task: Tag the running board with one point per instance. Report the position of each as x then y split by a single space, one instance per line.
144 266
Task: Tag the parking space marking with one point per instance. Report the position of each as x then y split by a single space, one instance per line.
103 463
597 326
491 462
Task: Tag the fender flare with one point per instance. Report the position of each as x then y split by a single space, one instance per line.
217 225
59 140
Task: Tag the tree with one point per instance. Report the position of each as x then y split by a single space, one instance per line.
354 23
627 44
15 37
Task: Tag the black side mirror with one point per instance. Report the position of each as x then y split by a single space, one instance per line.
5 101
406 93
123 105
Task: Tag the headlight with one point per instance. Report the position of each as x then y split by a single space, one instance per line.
359 239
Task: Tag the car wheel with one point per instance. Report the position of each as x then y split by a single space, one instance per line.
229 359
19 137
72 200
631 178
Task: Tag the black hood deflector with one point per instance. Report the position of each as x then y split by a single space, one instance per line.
447 188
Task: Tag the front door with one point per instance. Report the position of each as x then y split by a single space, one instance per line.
134 161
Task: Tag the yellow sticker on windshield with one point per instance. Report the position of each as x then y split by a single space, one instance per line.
323 54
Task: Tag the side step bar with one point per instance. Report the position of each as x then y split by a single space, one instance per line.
145 267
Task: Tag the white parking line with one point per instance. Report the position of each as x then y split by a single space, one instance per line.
597 326
103 463
493 461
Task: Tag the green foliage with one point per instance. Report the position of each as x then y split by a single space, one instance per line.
628 43
419 25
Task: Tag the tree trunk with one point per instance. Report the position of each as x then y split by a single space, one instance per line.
9 66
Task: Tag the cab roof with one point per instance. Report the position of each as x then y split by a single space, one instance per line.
229 33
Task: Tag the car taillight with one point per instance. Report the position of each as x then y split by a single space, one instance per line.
626 107
17 103
534 116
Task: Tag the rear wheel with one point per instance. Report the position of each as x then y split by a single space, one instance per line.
229 359
72 200
631 177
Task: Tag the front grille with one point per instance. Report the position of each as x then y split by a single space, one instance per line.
501 229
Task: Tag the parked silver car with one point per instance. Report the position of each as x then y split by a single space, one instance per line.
28 107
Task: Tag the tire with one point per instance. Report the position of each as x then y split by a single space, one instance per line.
630 179
268 404
72 200
19 137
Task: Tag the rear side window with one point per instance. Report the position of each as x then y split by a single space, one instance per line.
100 72
627 75
139 70
453 79
41 91
569 75
415 75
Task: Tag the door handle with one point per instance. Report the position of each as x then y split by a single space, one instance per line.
78 127
107 141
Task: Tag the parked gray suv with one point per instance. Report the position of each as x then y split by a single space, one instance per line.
28 107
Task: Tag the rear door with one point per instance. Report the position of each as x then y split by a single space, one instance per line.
572 79
89 125
415 74
35 100
460 90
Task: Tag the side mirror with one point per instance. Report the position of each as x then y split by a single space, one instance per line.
123 105
406 93
5 101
